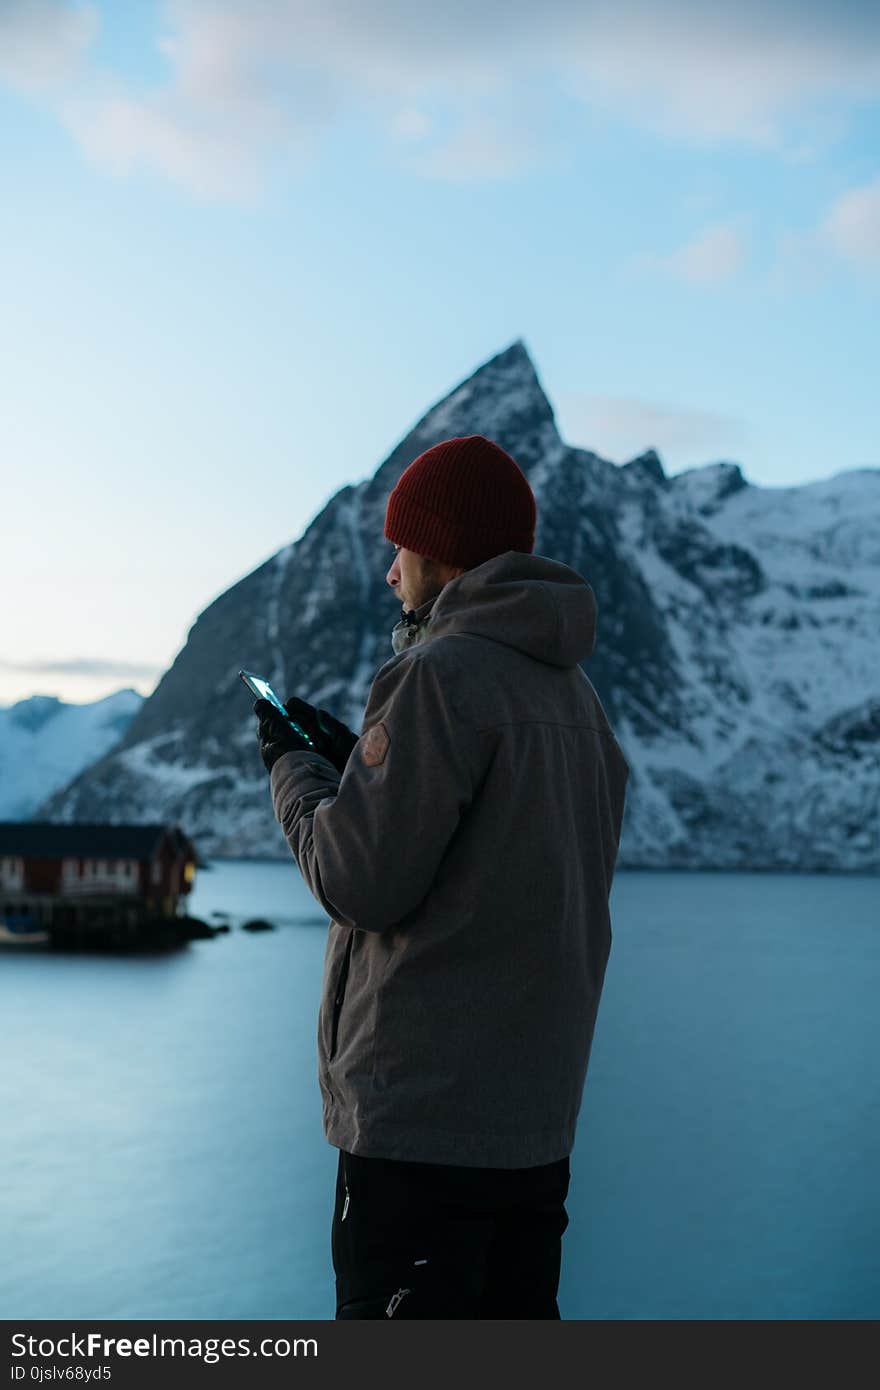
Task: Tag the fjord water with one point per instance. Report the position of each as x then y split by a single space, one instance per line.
162 1144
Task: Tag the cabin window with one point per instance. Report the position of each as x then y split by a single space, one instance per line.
157 872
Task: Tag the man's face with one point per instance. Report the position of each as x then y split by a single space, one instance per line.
415 579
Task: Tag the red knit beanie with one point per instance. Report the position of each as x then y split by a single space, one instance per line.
462 502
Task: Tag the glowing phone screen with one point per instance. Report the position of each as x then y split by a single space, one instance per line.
263 691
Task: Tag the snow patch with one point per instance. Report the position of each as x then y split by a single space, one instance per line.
45 743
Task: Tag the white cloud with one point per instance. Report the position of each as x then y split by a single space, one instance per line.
852 226
849 232
483 147
43 42
620 427
707 72
410 123
211 158
709 259
251 79
83 666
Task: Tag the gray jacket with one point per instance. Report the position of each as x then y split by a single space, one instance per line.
465 858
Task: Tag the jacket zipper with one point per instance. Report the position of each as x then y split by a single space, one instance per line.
339 995
345 1185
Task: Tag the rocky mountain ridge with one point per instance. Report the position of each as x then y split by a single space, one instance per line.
735 655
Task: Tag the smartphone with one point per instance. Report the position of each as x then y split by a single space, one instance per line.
263 691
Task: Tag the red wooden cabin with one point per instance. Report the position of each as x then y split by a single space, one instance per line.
67 875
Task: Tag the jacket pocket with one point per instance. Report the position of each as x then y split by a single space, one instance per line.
339 995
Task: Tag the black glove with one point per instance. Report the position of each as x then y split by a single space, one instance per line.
332 738
276 735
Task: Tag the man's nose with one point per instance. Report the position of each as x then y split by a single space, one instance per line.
393 575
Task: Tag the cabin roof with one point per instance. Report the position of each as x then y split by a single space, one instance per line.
45 840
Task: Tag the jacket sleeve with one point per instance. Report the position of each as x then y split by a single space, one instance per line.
369 844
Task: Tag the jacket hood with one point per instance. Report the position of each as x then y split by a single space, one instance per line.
540 606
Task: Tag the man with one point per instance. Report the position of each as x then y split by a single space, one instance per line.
464 848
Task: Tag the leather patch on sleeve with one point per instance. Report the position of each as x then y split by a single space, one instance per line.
374 745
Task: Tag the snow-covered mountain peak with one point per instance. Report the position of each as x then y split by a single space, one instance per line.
504 400
735 654
44 742
31 714
646 466
504 389
707 489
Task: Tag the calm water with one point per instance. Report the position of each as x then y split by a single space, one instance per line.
162 1146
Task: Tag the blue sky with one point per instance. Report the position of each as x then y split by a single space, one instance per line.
246 245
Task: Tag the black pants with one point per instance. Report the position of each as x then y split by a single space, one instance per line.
427 1240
